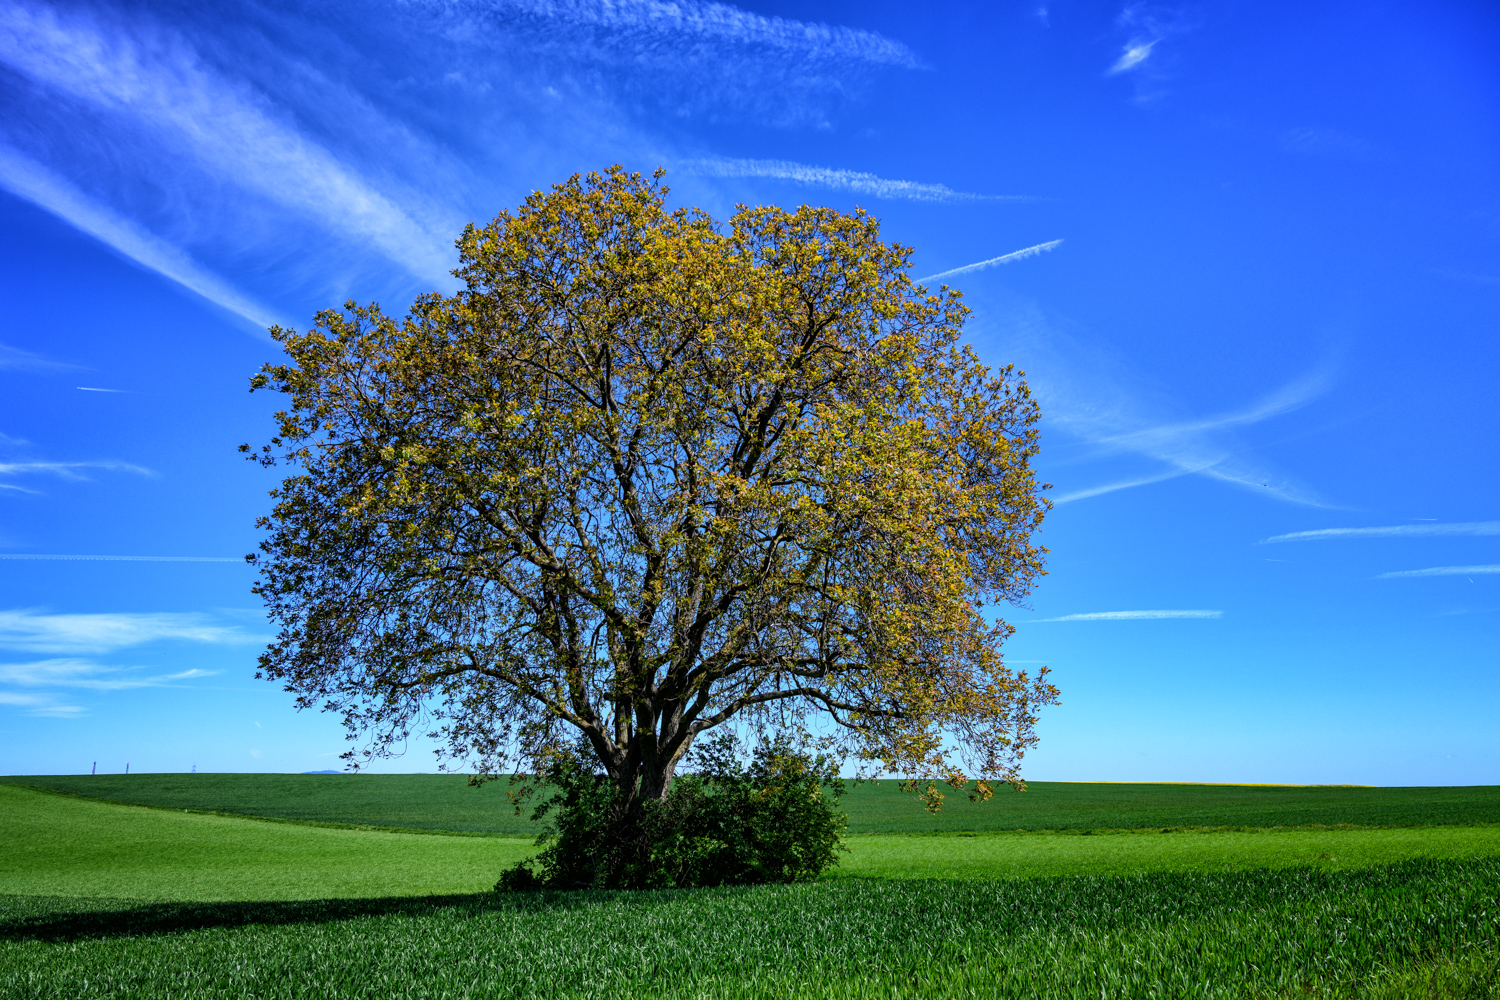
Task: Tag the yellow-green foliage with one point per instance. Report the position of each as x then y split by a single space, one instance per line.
646 473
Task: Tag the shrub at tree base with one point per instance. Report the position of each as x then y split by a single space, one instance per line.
774 821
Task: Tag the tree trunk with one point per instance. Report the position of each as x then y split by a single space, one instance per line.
644 781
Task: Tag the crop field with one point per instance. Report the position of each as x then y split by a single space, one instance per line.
447 802
99 899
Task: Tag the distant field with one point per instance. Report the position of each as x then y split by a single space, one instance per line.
56 845
446 802
410 801
1056 805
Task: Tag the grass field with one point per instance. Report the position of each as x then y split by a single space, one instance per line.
62 846
99 899
56 846
447 802
1294 932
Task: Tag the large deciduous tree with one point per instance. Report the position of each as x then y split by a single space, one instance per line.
647 473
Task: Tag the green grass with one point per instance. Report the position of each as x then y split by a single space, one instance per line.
1060 805
105 900
446 802
1264 933
402 801
890 856
63 846
57 846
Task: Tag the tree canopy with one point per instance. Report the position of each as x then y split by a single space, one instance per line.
648 473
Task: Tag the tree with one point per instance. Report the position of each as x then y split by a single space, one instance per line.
646 474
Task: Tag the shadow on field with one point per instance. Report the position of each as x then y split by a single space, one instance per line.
62 920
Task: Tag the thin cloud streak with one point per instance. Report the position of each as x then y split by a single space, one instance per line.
1135 53
1442 571
689 20
43 705
14 357
28 179
844 180
1189 446
679 59
1123 484
38 683
72 558
1472 528
1122 616
1040 248
1149 24
69 470
76 673
64 634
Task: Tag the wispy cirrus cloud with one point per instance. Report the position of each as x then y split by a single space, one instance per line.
78 673
842 180
1485 570
33 631
694 21
1190 447
1147 25
23 467
1327 142
233 132
39 703
1136 52
1479 528
84 558
682 59
28 179
1007 258
15 359
1121 616
69 470
1115 428
48 687
210 146
164 148
1125 484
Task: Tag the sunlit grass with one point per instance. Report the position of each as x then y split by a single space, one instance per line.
226 906
55 845
59 845
1163 935
1030 855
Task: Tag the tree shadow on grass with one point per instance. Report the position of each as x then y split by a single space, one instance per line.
59 919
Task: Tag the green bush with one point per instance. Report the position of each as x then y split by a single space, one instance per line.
775 820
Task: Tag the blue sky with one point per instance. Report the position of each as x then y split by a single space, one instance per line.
1248 255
